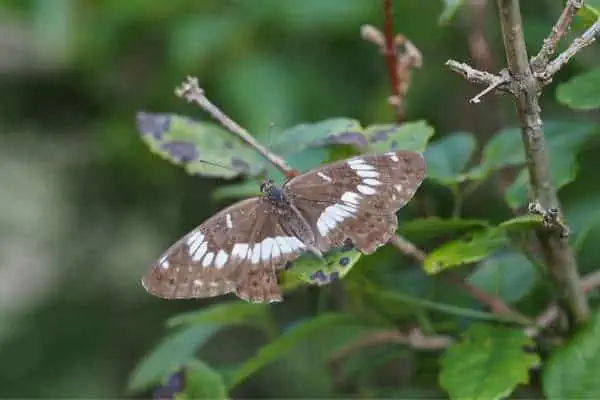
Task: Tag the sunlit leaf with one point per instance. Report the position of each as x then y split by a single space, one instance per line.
475 247
173 352
522 223
197 146
581 92
278 347
488 363
450 8
572 370
407 136
509 276
447 157
587 15
203 382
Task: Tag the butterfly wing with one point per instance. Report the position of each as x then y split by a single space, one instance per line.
237 250
357 199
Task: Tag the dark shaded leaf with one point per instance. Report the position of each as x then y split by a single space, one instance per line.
522 223
572 371
229 313
488 363
278 347
581 92
447 157
509 276
173 352
428 228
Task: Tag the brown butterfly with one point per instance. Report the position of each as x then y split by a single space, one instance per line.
240 248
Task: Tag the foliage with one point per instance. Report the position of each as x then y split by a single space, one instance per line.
88 203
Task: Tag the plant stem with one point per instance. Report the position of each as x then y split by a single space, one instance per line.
559 257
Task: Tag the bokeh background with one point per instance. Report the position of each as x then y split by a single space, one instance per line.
85 206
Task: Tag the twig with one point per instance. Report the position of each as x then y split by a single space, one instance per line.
539 62
586 39
414 339
557 253
190 91
390 54
408 248
499 81
474 75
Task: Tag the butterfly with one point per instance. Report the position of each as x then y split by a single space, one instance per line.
241 247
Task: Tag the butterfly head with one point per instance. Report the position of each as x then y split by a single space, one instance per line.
272 192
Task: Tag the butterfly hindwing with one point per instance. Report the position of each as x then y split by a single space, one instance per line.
237 250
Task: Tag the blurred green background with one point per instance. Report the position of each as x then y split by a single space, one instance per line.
85 206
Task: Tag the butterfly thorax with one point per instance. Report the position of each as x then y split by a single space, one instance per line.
274 194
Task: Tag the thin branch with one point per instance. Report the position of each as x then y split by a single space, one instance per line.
503 79
390 54
414 339
558 255
190 91
408 248
471 74
540 61
586 39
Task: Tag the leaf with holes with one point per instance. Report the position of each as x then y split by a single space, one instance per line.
173 352
197 146
572 370
509 276
335 265
407 136
581 92
467 250
488 363
447 158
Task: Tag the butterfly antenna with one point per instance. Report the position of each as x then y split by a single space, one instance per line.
216 164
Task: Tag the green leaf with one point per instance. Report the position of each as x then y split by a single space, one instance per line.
572 371
522 223
447 157
468 250
488 363
203 382
335 265
275 349
509 276
422 229
450 8
173 352
331 131
198 146
587 15
504 149
407 136
244 189
230 313
564 140
581 92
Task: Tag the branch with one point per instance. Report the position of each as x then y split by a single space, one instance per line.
190 91
540 61
557 253
390 54
493 82
586 39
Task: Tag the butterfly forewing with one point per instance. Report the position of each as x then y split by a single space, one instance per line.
357 199
237 250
